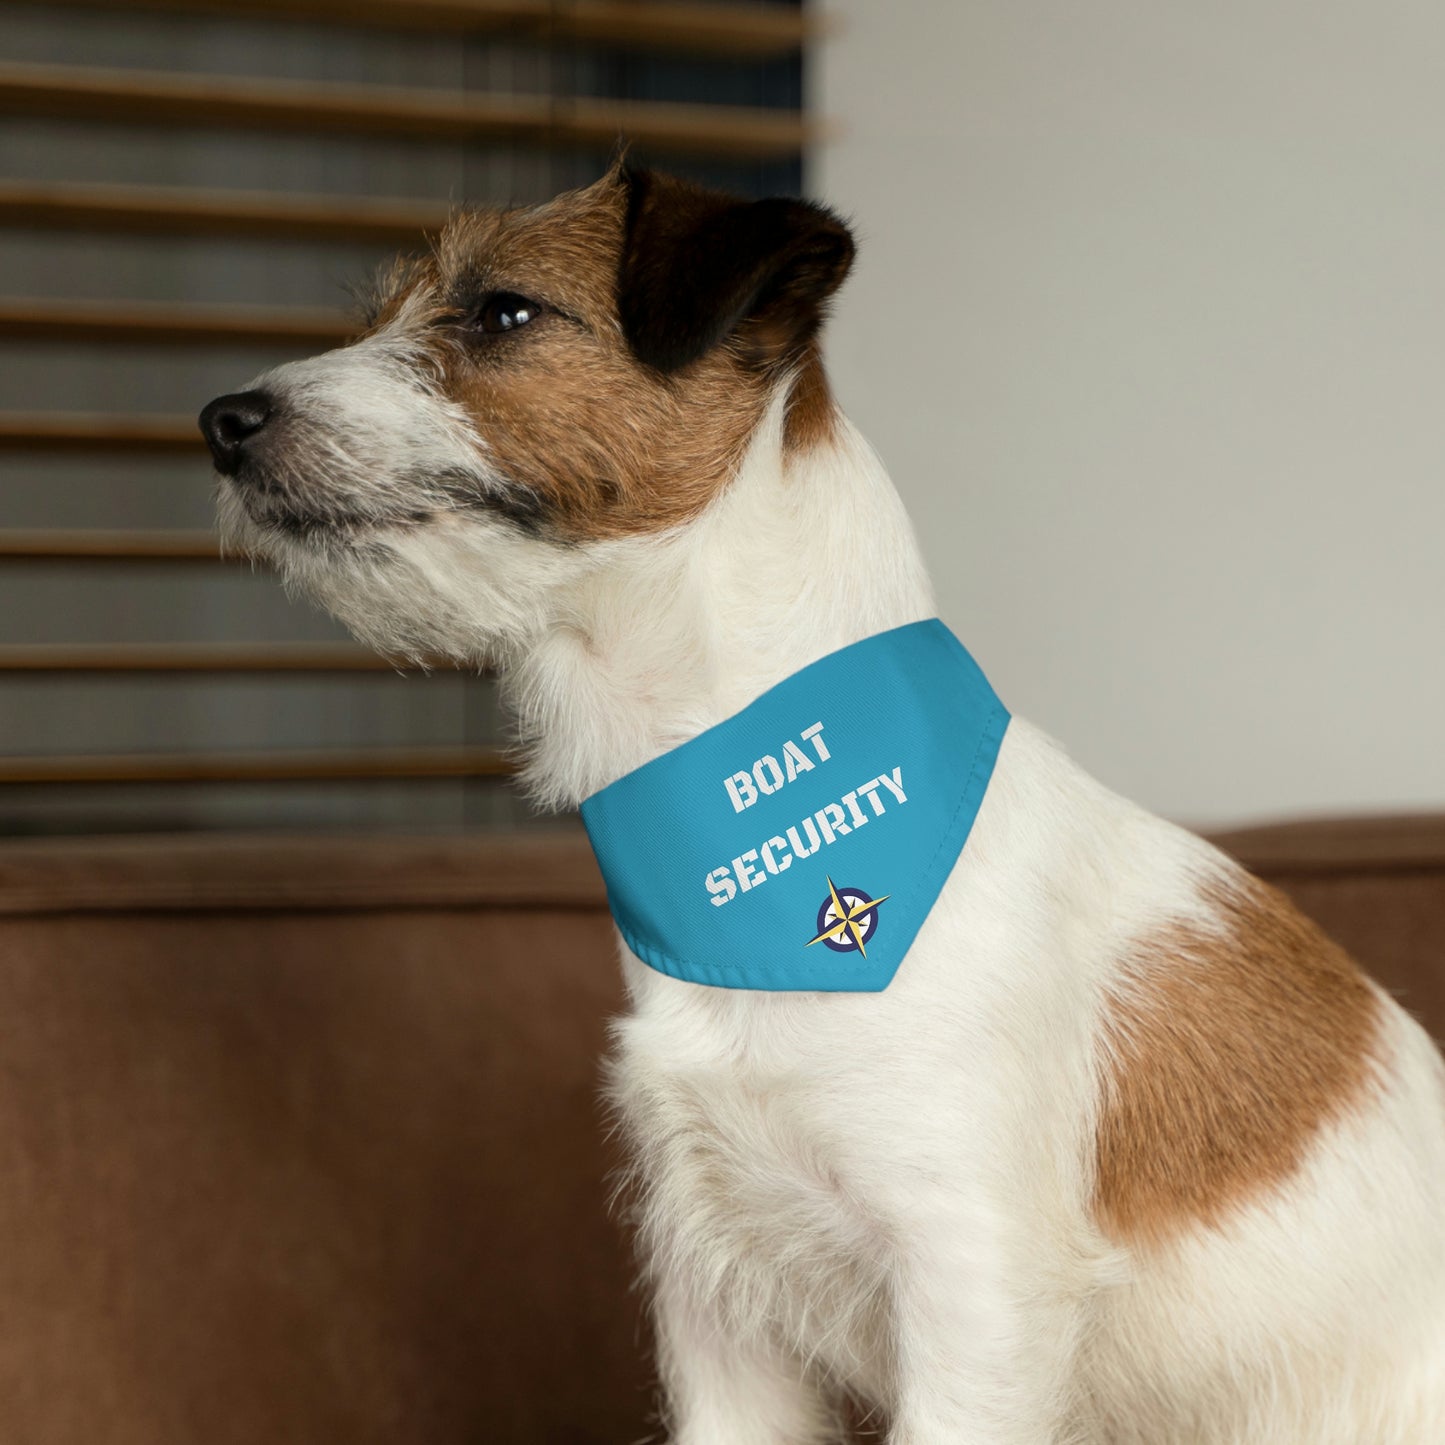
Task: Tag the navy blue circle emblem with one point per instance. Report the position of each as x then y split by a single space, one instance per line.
859 919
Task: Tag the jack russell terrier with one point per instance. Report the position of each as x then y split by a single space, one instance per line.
1124 1151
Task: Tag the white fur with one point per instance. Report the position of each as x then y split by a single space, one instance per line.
889 1194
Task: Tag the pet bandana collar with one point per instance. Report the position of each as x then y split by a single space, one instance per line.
801 843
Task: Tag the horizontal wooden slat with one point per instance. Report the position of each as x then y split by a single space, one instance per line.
173 211
215 101
1358 844
299 872
179 657
107 546
266 767
705 29
94 431
171 324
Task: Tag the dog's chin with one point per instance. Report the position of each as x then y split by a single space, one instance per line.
241 534
460 587
258 516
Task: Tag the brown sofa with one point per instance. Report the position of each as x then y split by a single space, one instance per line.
299 1140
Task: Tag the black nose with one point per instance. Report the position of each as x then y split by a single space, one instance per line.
229 422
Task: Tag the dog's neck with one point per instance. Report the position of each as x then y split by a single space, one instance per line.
803 553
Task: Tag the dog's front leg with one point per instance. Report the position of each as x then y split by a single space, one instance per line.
721 1389
985 1345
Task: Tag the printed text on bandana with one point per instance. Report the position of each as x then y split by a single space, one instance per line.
829 824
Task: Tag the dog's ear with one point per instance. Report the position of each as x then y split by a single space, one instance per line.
699 267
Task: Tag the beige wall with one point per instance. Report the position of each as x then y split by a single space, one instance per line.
1149 324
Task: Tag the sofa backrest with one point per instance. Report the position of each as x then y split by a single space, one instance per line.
300 1142
300 1139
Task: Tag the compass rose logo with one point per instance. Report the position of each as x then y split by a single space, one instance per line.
847 919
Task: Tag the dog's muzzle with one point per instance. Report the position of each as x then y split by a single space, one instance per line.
231 424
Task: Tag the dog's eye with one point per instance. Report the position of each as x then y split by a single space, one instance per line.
505 311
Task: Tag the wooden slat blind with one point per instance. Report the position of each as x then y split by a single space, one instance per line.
167 210
91 431
173 323
70 659
258 767
321 107
232 108
108 546
750 31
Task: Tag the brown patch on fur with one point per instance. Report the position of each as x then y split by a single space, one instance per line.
1229 1051
812 414
596 442
392 287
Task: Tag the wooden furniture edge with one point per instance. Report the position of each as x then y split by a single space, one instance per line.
553 868
238 872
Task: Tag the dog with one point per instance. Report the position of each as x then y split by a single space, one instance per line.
1127 1152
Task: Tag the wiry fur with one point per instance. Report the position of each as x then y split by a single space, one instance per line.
895 1196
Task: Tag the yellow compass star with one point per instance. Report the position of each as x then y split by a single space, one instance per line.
848 919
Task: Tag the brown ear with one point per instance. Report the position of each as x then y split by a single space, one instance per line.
699 267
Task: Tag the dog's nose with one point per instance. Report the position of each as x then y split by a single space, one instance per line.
229 422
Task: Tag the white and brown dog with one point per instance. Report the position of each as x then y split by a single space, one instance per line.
1127 1152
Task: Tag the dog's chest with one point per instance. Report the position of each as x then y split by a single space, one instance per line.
748 1185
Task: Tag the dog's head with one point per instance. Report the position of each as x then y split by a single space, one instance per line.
546 383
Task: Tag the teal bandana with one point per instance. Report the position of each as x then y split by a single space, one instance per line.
801 843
